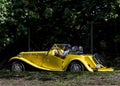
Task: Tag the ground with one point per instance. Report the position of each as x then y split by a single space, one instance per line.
44 78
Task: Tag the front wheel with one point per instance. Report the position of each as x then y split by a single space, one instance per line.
76 67
17 67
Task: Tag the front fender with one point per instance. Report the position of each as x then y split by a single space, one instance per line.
26 61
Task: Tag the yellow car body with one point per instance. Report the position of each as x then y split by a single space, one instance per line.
46 60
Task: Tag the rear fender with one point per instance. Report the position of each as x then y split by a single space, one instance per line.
87 67
79 59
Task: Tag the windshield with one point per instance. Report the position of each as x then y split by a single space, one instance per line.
61 46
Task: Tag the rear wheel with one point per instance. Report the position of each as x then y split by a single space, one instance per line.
17 67
76 67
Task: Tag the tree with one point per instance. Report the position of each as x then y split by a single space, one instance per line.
59 21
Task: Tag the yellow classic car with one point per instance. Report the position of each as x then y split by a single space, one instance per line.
47 60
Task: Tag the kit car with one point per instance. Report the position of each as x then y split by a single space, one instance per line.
47 60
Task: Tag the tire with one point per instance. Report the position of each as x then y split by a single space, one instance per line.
76 67
100 59
17 67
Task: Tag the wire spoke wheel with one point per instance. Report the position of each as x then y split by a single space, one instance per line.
100 59
76 67
17 67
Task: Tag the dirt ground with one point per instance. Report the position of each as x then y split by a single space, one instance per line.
60 79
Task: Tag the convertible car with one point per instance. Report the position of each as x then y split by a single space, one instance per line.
47 60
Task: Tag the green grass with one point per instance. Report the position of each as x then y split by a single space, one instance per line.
45 78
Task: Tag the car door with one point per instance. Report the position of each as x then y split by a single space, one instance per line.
53 63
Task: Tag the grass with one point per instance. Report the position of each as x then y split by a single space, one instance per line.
44 78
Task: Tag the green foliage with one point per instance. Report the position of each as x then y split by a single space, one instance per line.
4 7
60 21
48 12
117 38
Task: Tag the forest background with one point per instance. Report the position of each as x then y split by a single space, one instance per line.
35 25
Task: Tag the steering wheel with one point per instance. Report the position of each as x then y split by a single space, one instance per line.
57 50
